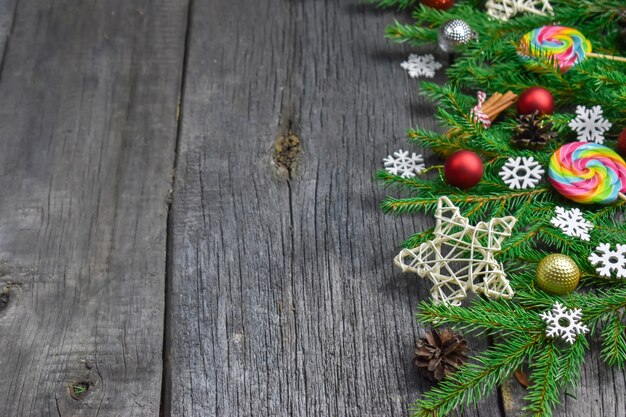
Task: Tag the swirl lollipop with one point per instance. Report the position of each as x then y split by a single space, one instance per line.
588 173
566 46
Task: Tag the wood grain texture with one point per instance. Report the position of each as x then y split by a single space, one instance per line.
284 299
87 143
7 15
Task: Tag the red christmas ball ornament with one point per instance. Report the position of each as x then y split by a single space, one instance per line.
535 99
621 143
463 169
438 4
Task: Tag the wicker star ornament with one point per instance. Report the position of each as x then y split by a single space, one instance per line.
461 257
506 9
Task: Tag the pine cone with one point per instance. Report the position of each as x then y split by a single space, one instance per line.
533 131
440 353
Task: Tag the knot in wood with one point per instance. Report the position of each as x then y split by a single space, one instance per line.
287 151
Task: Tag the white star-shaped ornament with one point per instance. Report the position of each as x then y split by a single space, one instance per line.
608 260
506 9
564 323
421 65
521 173
403 164
461 257
590 124
572 223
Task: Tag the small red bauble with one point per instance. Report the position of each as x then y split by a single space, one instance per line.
438 4
535 98
621 143
463 169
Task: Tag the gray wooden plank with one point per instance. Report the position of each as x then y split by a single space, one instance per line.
7 14
284 299
87 143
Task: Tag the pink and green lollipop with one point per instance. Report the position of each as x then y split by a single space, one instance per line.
567 46
588 173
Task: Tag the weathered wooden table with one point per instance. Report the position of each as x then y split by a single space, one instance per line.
160 255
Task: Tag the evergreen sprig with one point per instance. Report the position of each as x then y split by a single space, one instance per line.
491 63
400 4
477 379
543 393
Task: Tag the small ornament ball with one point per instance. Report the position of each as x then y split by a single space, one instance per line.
621 143
463 169
438 4
557 274
535 99
453 33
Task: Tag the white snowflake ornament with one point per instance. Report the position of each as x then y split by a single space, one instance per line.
521 172
564 323
572 223
607 260
403 164
461 256
421 65
506 9
590 124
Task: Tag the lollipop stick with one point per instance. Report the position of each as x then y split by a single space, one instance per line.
611 57
622 196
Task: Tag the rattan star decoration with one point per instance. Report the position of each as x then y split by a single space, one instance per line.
505 9
461 257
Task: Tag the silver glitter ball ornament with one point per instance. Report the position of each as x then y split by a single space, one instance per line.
453 33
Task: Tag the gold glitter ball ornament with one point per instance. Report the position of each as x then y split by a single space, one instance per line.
557 274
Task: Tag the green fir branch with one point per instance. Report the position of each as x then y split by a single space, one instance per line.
478 204
571 361
397 4
416 35
614 341
473 381
419 238
543 392
483 315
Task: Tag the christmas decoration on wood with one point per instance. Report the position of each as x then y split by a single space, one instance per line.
572 223
608 260
453 33
463 169
486 111
522 172
588 173
421 65
557 274
590 124
438 4
506 9
469 248
564 323
565 46
440 353
535 99
403 164
487 63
